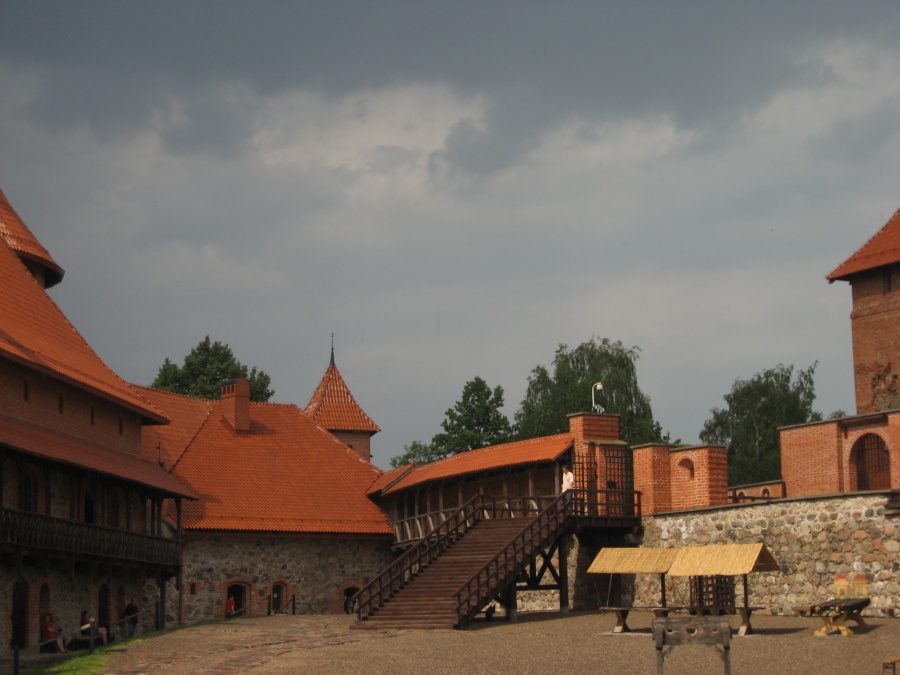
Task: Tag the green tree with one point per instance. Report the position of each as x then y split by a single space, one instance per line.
475 421
550 398
748 426
204 370
418 452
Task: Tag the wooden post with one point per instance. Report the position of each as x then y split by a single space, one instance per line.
662 587
512 608
563 558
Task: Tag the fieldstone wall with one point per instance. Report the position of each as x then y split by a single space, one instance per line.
813 539
315 570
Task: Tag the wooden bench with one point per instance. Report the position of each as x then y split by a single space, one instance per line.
744 612
621 618
622 615
674 631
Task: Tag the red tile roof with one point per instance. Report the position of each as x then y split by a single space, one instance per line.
531 451
882 249
55 445
333 407
286 475
388 478
20 239
35 333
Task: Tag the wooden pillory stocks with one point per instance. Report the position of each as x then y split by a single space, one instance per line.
675 631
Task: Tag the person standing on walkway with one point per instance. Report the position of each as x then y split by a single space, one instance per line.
229 608
568 482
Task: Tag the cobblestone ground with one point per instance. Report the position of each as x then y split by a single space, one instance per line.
538 643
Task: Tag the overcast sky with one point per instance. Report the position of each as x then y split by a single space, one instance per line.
455 188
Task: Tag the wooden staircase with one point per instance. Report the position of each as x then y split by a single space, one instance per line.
429 599
457 568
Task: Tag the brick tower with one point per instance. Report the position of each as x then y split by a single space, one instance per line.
333 408
874 276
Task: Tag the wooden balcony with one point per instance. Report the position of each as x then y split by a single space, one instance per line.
35 533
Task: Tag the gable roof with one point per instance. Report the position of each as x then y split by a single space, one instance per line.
20 239
286 475
633 560
723 560
35 333
882 249
519 453
333 407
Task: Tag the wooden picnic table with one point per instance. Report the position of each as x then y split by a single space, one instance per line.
836 613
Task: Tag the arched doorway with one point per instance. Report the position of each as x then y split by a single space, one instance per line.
19 614
238 592
873 463
279 597
349 605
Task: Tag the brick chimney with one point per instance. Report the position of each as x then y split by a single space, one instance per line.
236 404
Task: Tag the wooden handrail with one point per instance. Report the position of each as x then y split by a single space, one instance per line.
374 594
38 531
537 533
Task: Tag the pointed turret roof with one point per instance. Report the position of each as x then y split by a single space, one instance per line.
333 407
20 239
882 249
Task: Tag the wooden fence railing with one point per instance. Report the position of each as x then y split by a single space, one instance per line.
36 531
434 542
504 567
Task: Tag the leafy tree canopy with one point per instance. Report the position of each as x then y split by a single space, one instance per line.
748 426
551 397
475 421
204 370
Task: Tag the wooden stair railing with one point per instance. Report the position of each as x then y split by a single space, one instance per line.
540 532
399 573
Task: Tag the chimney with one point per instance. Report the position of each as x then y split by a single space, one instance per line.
236 404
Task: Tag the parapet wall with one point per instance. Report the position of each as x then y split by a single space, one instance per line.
813 539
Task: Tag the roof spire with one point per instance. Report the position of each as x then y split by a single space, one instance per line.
332 349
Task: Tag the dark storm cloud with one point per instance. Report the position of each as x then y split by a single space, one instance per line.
113 65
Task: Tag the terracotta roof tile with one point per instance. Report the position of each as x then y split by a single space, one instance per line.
531 451
20 239
333 407
60 447
882 249
286 475
35 333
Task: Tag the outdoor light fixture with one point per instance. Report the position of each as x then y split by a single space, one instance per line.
594 405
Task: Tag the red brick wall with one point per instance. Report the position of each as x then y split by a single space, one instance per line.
43 409
810 459
819 459
359 441
876 340
673 479
651 477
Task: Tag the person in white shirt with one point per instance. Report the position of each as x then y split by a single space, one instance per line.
568 479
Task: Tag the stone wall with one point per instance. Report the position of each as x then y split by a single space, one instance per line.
813 539
315 570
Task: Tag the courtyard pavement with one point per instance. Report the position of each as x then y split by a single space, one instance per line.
580 642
